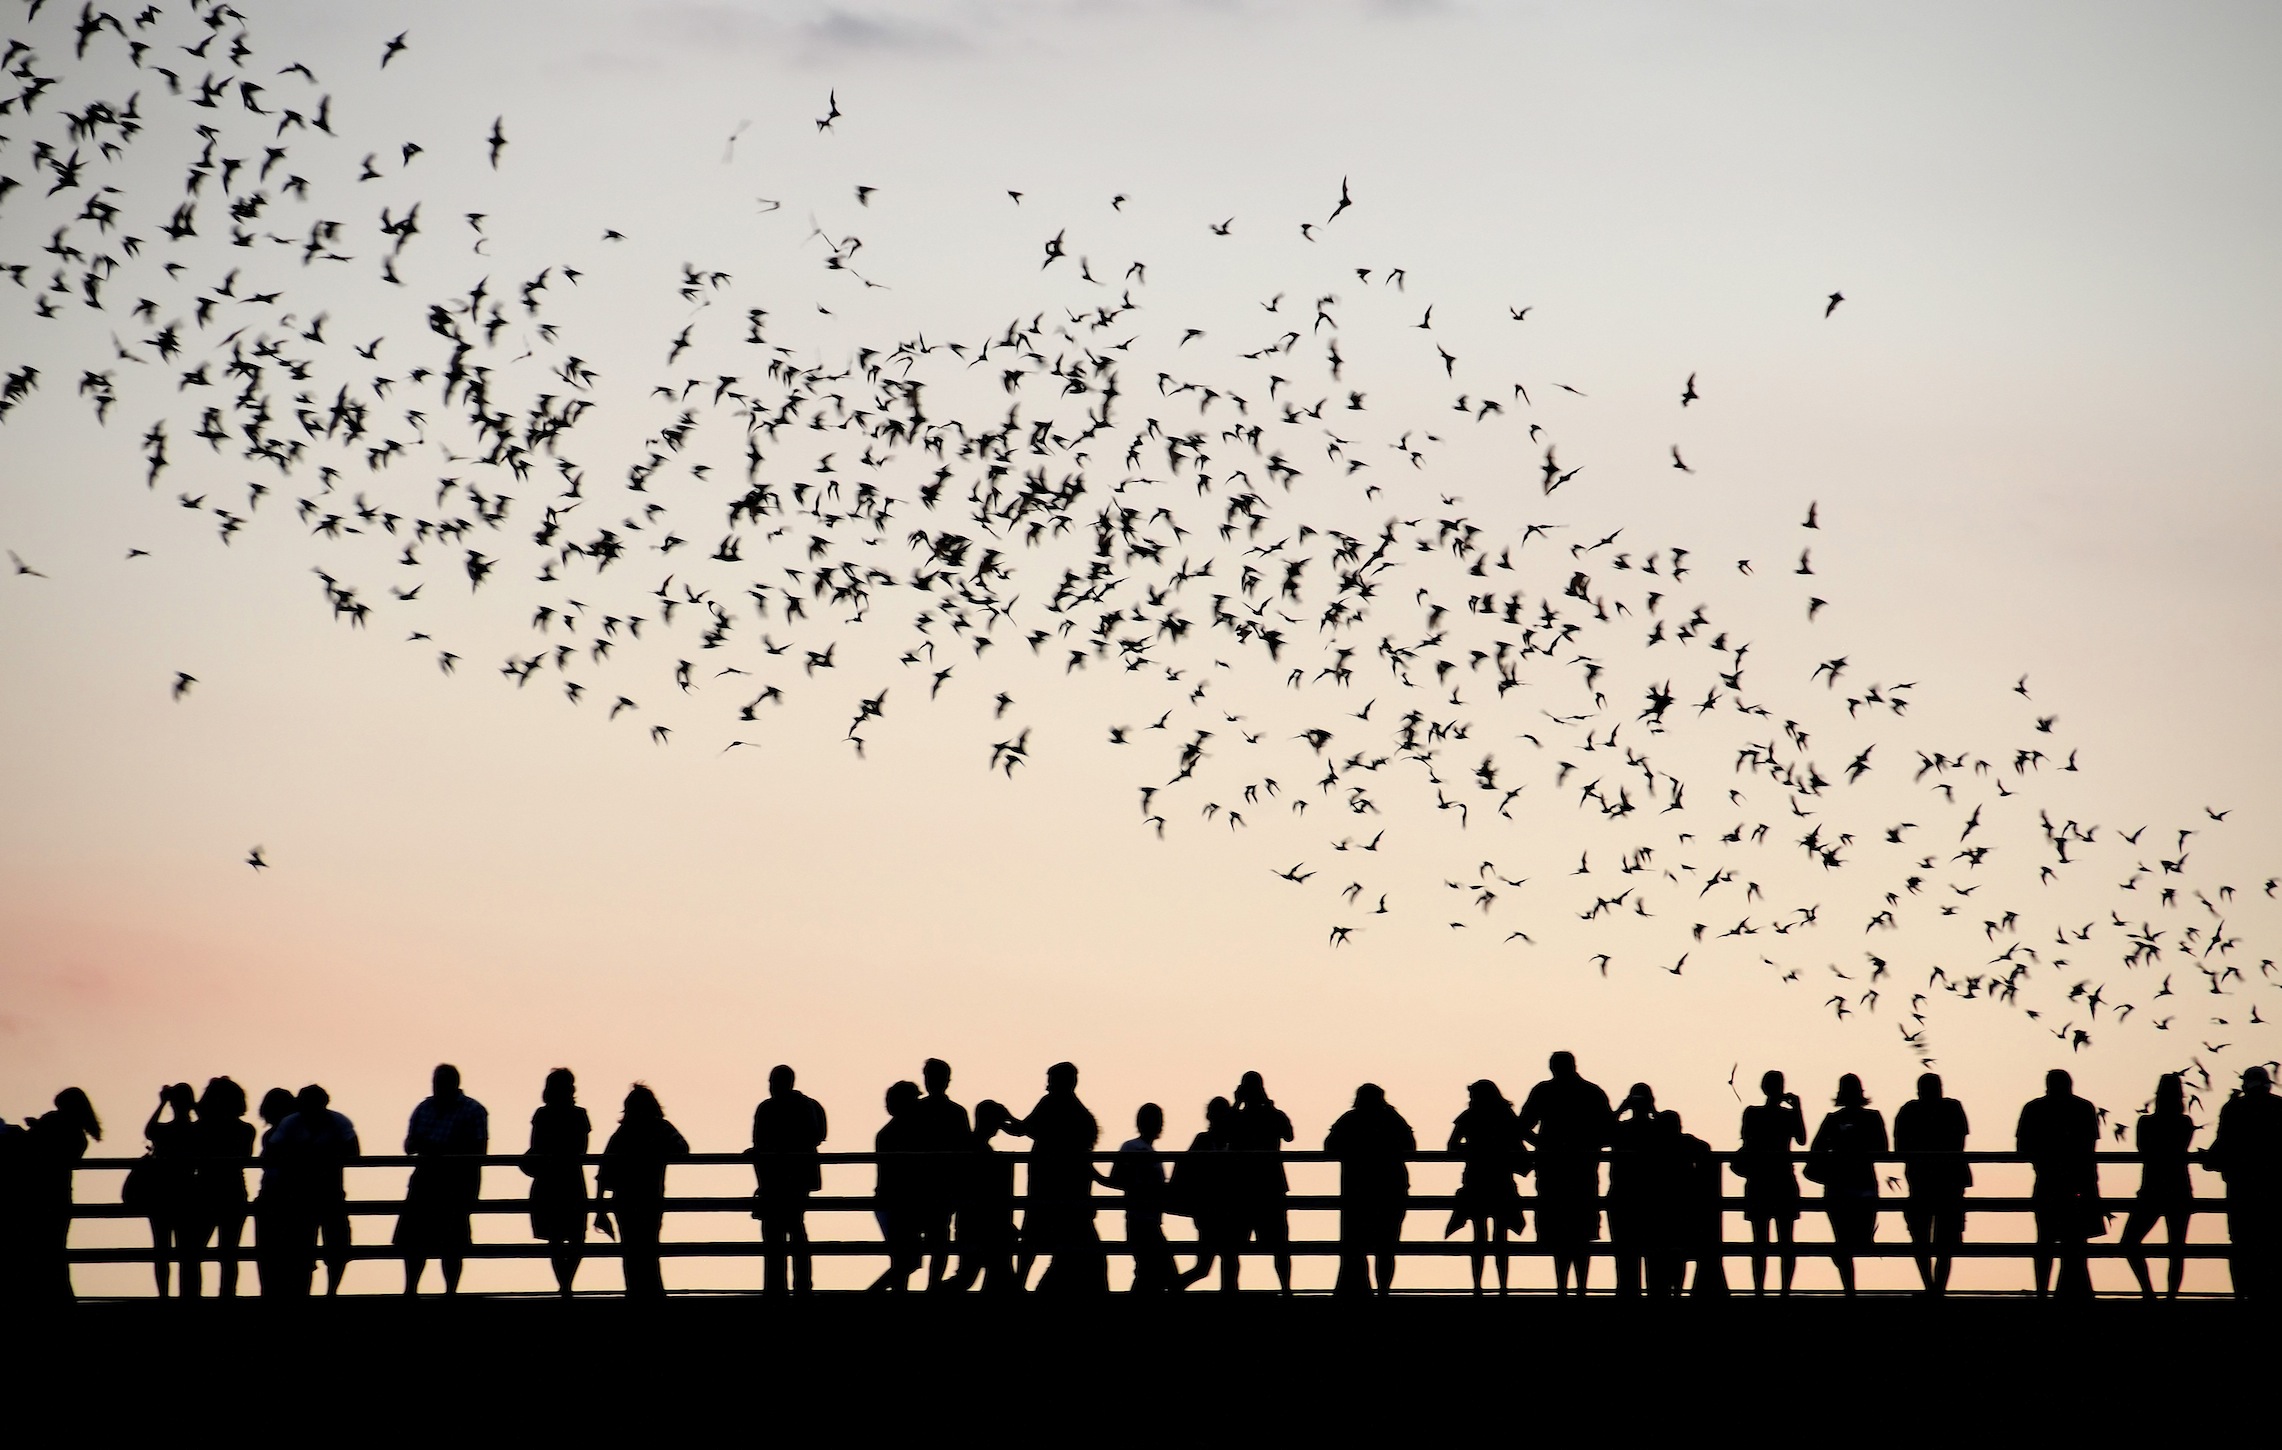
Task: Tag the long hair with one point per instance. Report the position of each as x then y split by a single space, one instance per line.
277 1105
561 1089
79 1112
642 1104
1850 1094
2170 1095
223 1098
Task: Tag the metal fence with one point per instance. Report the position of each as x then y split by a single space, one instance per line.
1428 1211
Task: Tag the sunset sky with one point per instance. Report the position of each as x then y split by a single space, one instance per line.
2037 433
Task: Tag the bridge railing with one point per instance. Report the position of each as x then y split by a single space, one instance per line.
1429 1207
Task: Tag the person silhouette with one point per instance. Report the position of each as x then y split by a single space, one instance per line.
1487 1135
2247 1153
2166 1193
1698 1225
448 1131
1770 1185
1203 1189
1373 1144
221 1142
1843 1158
1636 1191
276 1235
2059 1134
556 1166
940 1129
899 1197
632 1179
314 1146
161 1184
1257 1132
788 1127
986 1207
1930 1131
53 1143
1058 1218
1139 1174
1569 1122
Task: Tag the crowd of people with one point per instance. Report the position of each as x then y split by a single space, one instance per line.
945 1191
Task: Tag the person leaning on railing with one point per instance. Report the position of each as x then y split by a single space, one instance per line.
2248 1153
788 1127
633 1180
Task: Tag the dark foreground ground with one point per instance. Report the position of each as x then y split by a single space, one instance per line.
862 1369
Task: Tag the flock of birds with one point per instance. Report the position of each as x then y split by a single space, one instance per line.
1082 490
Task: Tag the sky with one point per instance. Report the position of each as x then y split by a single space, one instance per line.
2033 433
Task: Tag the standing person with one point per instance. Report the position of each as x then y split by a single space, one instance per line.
897 1198
1698 1225
222 1141
788 1127
1139 1174
1568 1121
161 1183
2247 1152
1634 1189
555 1164
1488 1136
2166 1193
314 1146
1257 1132
1844 1159
633 1178
1930 1131
1770 1185
448 1131
1059 1218
2059 1134
986 1207
1373 1144
1203 1189
941 1130
13 1290
275 1227
53 1142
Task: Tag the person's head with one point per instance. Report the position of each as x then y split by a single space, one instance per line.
1771 1084
445 1080
79 1112
1370 1095
2170 1094
936 1074
1850 1094
1483 1093
1251 1088
1062 1077
901 1097
2058 1084
312 1100
179 1096
1149 1122
642 1105
1668 1125
1640 1102
276 1106
561 1089
1929 1086
2257 1082
1216 1112
222 1099
991 1117
781 1079
1562 1064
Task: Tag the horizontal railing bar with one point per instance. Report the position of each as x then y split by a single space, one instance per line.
1298 1248
1297 1203
829 1160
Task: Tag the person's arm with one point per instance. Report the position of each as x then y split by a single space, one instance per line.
150 1126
